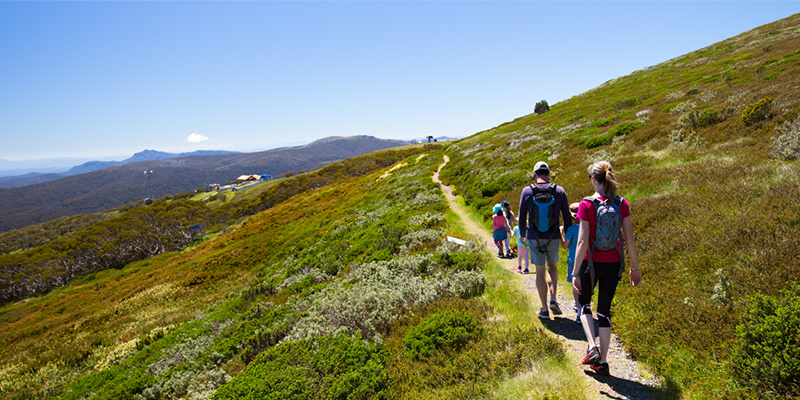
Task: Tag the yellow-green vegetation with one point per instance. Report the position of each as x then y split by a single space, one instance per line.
349 268
143 229
715 199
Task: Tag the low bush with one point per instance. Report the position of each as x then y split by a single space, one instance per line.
324 367
606 138
705 118
541 107
449 330
460 261
787 145
767 352
758 111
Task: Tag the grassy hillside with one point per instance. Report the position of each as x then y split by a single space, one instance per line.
138 231
705 147
362 273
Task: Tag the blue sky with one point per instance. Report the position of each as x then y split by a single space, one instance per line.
103 80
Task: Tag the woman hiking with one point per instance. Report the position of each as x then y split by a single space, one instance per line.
601 217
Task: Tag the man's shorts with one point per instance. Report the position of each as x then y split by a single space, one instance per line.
542 256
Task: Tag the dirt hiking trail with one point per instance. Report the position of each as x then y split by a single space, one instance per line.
628 379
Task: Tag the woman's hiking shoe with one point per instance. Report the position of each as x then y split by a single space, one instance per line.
554 307
601 368
543 314
592 356
500 253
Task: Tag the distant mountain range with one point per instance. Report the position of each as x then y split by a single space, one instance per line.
32 177
115 185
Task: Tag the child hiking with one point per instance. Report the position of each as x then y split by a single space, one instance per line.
571 242
522 251
540 206
602 216
500 229
510 220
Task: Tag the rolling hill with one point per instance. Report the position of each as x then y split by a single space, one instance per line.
114 186
31 178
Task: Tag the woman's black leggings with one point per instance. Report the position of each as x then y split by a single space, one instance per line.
606 277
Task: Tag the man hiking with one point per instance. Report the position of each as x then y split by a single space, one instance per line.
540 206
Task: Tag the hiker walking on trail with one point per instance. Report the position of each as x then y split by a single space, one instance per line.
570 243
500 229
540 206
602 217
510 220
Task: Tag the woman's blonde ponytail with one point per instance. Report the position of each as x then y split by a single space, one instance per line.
604 174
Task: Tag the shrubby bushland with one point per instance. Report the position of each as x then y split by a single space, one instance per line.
766 356
370 299
704 118
447 330
600 155
786 146
681 108
427 220
458 364
622 129
680 139
321 367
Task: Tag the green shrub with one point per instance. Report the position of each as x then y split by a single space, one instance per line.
625 128
541 107
449 330
705 118
787 145
758 111
461 261
599 140
325 367
606 138
767 352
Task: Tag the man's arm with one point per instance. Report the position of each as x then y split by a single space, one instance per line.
523 217
565 214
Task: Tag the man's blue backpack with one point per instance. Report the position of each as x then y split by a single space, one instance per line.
545 214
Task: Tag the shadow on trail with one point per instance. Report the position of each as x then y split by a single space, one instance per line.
634 390
566 327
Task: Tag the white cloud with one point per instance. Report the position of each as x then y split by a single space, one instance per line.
197 138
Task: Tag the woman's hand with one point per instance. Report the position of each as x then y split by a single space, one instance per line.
636 277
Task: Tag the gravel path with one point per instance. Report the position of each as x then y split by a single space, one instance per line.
628 379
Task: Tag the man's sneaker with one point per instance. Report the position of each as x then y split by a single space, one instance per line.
592 356
601 368
543 314
554 307
525 271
